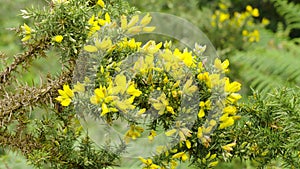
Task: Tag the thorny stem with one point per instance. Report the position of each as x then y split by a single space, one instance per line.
23 60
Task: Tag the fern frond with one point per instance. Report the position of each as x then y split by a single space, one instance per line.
267 69
290 11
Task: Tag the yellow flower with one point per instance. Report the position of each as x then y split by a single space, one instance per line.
131 44
249 8
229 147
79 87
245 32
125 105
170 109
213 164
104 109
223 17
121 84
224 117
151 47
101 3
181 155
173 164
91 21
160 104
133 91
27 31
200 132
146 20
170 132
133 21
99 95
186 57
188 144
123 22
142 111
188 88
149 29
203 76
229 121
212 156
233 97
254 36
201 113
133 133
149 163
255 12
222 66
90 48
230 110
152 135
107 20
66 96
232 87
103 96
222 6
265 21
58 38
105 44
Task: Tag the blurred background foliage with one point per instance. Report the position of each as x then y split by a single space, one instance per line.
269 62
266 63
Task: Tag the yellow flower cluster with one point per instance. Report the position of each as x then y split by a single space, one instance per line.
251 36
66 95
110 98
107 45
153 85
95 22
134 26
104 97
243 21
254 12
228 115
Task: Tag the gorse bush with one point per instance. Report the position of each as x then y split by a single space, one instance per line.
235 31
154 89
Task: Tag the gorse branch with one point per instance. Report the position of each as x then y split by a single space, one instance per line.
12 105
270 128
34 51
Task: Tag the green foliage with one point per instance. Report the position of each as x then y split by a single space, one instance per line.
13 160
63 145
270 128
264 69
50 136
290 11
